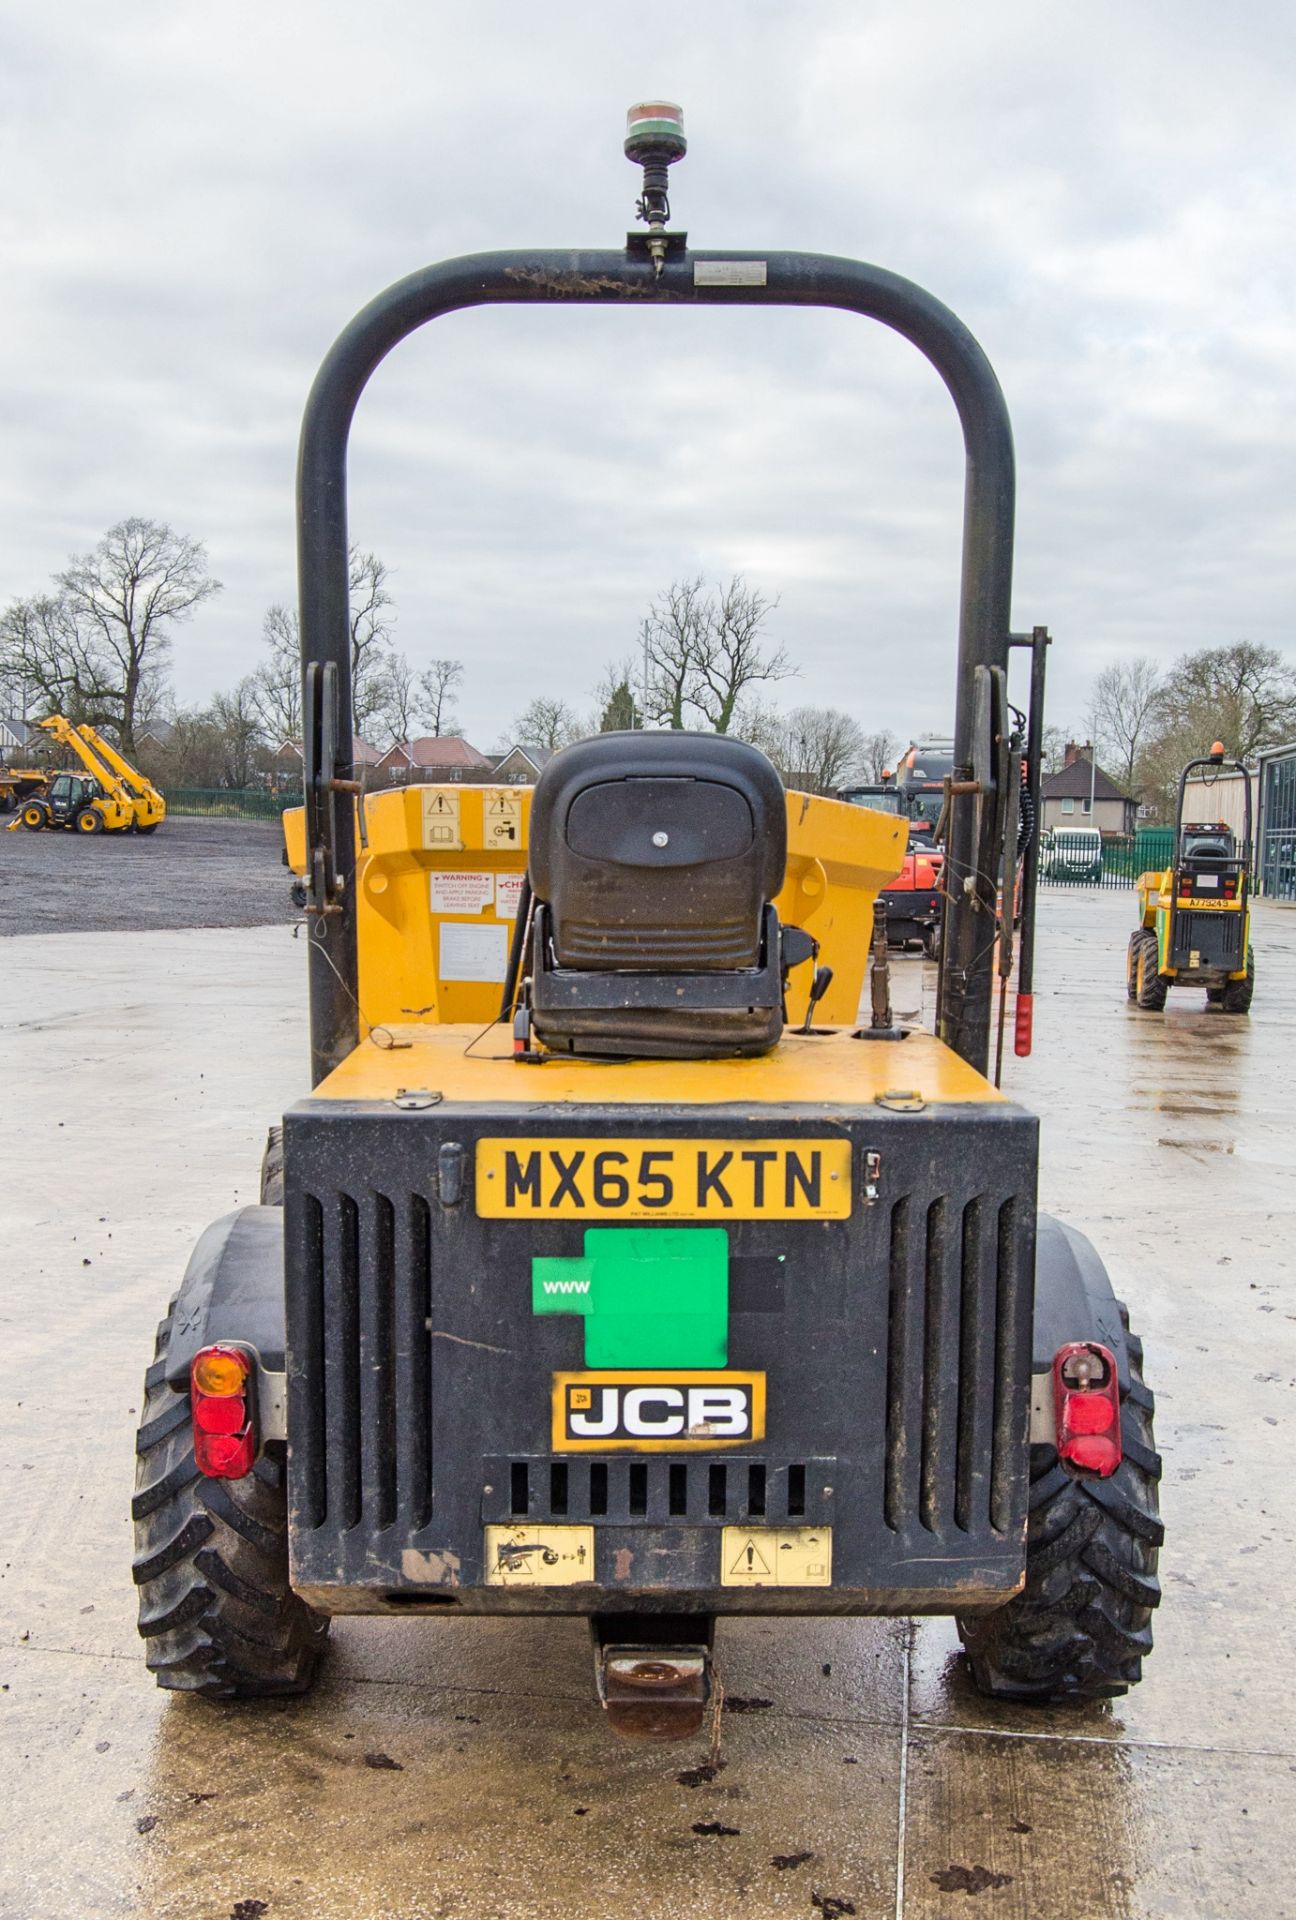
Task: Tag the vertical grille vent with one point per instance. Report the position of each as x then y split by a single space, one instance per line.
954 1327
365 1409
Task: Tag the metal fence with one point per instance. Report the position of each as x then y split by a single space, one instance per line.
1114 860
227 803
1278 838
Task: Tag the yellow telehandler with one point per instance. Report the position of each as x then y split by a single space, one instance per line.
111 796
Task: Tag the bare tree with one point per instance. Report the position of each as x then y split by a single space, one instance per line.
729 655
823 748
278 679
878 754
1053 746
50 662
370 631
1243 694
277 682
438 683
397 703
670 638
547 723
234 721
142 579
1122 713
816 749
704 651
764 727
192 755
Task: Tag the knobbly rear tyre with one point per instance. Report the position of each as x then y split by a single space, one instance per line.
1235 997
1082 1626
1131 965
211 1563
1151 989
272 1169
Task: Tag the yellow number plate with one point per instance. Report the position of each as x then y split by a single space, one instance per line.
804 1179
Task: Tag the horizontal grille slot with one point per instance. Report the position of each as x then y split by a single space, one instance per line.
643 946
694 1492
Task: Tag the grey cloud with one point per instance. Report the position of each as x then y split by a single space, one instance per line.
193 204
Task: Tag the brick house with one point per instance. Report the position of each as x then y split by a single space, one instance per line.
1067 794
434 758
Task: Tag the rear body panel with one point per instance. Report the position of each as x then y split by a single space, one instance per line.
430 1345
1201 940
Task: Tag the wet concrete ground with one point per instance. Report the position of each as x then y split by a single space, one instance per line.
192 872
461 1769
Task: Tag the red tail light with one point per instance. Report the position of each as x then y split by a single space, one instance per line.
1086 1399
222 1408
1024 1025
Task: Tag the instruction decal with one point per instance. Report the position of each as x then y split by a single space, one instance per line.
441 820
473 953
508 892
524 1556
454 892
502 818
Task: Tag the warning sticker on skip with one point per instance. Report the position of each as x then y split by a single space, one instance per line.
508 892
457 892
441 820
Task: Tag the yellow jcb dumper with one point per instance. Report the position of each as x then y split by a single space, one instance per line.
613 1268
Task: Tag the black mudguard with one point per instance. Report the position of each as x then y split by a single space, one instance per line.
233 1289
1074 1298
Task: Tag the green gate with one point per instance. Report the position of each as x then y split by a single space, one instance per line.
1071 858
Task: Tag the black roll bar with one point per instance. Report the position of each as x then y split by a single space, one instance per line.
1217 766
629 278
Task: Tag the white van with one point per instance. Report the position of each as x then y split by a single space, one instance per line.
1072 853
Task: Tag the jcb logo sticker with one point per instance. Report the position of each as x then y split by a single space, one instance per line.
632 1180
646 1412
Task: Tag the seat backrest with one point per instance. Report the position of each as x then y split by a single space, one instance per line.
658 852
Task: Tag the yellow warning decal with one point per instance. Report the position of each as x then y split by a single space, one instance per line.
776 1557
664 1179
522 1556
441 829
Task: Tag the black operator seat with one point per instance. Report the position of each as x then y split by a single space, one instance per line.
654 862
1208 847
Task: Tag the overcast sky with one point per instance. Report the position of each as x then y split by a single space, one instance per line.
195 199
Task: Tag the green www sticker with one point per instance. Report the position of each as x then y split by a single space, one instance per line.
650 1296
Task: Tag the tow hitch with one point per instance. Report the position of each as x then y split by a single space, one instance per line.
653 1673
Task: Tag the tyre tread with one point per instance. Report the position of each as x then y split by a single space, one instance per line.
216 1610
1081 1626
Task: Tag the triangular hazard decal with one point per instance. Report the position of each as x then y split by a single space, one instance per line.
750 1561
